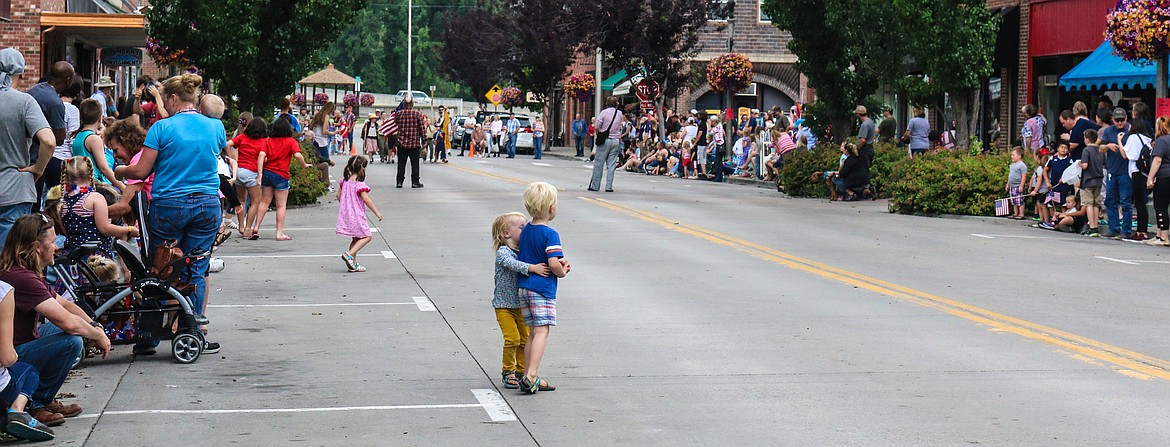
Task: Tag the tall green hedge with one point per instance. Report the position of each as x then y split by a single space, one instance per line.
306 186
944 183
948 183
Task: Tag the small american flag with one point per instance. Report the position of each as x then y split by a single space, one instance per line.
1002 206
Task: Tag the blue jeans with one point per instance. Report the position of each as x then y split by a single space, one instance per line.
53 355
193 221
1119 191
511 145
8 216
580 140
537 150
24 380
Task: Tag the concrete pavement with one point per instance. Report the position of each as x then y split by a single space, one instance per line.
696 314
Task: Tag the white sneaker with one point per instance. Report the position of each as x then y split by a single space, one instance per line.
216 265
1157 242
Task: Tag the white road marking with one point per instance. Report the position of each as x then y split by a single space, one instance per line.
495 405
292 256
481 161
1009 236
1117 260
588 166
388 254
372 230
309 305
540 164
424 304
1131 261
282 410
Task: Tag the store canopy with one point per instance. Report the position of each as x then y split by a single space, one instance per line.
1105 70
612 81
624 88
101 30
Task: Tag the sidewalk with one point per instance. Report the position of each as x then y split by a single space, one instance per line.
569 153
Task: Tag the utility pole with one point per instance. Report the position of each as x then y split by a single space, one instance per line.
729 137
409 45
597 86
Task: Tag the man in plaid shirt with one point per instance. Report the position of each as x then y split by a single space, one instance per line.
411 126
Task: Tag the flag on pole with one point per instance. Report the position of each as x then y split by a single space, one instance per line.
1002 206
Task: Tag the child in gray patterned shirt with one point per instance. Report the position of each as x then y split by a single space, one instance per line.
505 299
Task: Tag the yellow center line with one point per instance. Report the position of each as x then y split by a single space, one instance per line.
1121 357
1128 362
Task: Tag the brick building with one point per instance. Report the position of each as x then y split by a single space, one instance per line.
47 31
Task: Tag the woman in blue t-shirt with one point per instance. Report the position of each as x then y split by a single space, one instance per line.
182 151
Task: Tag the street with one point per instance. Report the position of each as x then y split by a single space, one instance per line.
695 314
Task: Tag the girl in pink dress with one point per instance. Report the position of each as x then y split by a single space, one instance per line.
353 196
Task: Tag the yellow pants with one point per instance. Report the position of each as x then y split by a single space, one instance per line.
515 337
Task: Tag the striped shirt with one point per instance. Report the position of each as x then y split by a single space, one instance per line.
513 125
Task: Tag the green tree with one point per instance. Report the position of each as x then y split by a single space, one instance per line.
373 46
473 58
544 40
255 50
839 48
953 43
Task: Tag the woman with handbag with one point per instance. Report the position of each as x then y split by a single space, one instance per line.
606 145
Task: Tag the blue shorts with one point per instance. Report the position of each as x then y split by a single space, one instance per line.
274 181
537 309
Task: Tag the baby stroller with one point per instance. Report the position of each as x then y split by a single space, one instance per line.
148 306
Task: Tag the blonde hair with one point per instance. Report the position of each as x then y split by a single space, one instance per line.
1163 126
539 198
212 106
500 226
76 169
185 86
105 269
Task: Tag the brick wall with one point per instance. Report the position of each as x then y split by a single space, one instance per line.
1017 88
761 41
24 34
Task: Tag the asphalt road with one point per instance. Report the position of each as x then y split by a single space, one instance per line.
695 314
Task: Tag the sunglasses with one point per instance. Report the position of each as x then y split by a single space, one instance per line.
1119 120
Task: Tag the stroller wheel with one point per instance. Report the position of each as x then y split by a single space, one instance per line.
186 348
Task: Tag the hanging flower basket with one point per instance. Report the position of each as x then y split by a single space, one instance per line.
349 99
298 99
367 99
580 86
730 72
320 98
165 55
1139 30
513 97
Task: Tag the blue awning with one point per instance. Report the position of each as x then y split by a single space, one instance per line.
1104 70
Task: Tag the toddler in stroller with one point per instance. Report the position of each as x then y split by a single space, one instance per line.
151 305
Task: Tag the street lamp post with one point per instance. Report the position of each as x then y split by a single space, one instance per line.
409 44
729 127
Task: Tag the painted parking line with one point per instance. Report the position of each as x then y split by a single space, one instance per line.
388 254
242 306
540 164
495 405
364 255
425 304
1009 236
372 230
489 400
1125 361
1130 261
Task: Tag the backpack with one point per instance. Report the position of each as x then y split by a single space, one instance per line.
1145 159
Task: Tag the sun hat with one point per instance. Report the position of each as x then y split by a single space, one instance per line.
104 82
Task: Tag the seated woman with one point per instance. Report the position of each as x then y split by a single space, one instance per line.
54 347
854 174
18 380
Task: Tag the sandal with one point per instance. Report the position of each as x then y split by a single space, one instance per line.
527 387
349 262
510 380
220 238
357 268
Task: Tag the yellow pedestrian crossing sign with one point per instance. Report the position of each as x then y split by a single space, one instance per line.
494 95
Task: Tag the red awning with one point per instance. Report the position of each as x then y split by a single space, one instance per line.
1066 26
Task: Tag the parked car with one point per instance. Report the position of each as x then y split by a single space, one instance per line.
523 137
457 137
419 97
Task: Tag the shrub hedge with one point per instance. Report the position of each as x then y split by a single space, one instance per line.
943 183
306 186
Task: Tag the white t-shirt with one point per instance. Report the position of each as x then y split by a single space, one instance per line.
4 377
1133 149
689 132
72 123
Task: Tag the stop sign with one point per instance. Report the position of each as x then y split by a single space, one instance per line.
647 89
